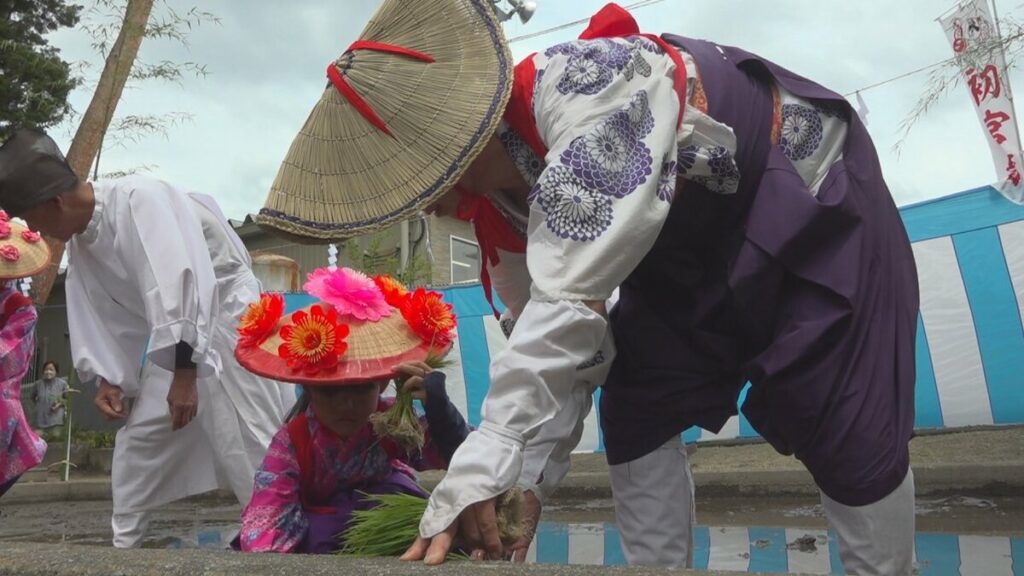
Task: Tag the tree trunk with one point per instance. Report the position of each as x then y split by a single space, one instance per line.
96 119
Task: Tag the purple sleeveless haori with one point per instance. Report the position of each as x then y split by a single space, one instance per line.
812 299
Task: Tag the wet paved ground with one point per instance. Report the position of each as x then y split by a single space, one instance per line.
956 535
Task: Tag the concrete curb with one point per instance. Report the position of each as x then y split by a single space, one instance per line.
982 463
25 559
981 480
75 490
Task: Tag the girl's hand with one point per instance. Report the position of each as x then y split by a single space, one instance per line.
413 384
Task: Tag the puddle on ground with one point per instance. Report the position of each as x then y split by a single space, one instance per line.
750 549
781 550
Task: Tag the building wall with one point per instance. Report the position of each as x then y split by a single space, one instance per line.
371 252
307 256
52 343
441 231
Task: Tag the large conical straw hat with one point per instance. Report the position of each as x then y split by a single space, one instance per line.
409 106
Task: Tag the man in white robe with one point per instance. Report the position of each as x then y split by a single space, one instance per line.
156 284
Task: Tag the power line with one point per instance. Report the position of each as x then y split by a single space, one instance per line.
901 76
641 4
645 3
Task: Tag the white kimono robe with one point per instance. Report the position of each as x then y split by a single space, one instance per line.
156 266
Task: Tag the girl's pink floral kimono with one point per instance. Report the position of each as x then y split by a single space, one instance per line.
20 448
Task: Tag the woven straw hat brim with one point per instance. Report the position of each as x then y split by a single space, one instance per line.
374 349
32 256
343 176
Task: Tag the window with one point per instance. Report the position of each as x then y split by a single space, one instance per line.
465 260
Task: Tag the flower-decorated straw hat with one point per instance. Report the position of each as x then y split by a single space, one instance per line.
357 332
406 110
22 251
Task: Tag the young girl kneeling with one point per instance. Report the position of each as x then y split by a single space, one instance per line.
344 351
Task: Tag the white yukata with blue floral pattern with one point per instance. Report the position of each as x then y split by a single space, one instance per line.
608 113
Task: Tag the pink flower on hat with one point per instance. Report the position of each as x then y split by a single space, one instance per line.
5 230
10 252
4 217
30 236
351 293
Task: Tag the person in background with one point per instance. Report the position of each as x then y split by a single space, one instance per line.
49 395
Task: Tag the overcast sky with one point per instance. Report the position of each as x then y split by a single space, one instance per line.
266 64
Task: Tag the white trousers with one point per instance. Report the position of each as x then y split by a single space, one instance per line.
654 507
876 539
654 510
154 465
129 529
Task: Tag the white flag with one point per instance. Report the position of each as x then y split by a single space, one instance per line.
968 28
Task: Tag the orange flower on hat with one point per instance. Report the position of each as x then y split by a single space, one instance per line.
259 320
394 291
430 317
313 342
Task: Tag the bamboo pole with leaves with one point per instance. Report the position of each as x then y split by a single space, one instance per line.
68 434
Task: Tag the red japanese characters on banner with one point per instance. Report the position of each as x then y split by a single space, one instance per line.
984 83
970 26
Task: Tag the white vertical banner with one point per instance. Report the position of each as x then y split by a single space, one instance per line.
973 37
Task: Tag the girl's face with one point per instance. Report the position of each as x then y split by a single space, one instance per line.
49 373
345 409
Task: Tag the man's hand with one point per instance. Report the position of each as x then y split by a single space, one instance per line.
182 399
478 526
517 552
108 401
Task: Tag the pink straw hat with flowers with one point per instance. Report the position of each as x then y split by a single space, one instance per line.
23 252
357 332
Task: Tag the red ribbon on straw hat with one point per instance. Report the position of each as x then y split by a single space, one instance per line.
353 97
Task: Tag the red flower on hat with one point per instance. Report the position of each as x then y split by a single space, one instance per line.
395 293
313 342
259 320
4 217
30 236
10 252
5 230
430 317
